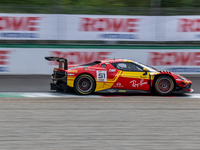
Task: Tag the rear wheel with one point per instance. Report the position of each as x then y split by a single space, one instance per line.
84 84
164 85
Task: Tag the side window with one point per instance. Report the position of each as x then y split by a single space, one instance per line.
135 67
122 66
127 66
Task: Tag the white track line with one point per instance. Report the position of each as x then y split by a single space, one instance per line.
192 95
41 94
54 94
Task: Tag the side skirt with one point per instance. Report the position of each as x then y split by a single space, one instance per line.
122 91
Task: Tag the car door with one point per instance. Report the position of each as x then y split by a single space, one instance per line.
132 77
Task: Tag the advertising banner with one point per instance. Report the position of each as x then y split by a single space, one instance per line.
31 61
182 28
28 27
98 27
107 27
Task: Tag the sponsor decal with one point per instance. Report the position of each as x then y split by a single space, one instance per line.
130 76
101 75
74 71
118 85
79 57
112 70
91 69
4 60
19 27
128 25
111 90
122 91
174 58
137 85
70 74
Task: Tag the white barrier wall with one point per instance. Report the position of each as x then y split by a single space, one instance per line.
31 61
99 27
182 28
28 27
107 27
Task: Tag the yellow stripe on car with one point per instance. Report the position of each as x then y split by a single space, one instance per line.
138 75
108 84
70 81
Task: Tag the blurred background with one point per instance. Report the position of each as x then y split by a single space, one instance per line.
101 7
162 33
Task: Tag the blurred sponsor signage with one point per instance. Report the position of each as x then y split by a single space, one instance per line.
174 58
179 62
99 27
4 60
106 27
28 27
77 57
182 28
31 61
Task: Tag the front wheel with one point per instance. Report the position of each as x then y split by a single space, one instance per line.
164 85
84 84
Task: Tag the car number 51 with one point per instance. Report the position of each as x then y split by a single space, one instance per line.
101 76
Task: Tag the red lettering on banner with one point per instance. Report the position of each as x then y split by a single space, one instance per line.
174 58
197 58
117 25
19 23
109 24
189 25
3 57
77 58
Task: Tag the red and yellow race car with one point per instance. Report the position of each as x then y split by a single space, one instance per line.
116 75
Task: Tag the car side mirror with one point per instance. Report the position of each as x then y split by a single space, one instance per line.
145 71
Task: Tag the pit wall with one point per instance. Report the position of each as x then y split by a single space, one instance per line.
29 59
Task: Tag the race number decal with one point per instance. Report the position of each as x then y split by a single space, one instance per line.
101 76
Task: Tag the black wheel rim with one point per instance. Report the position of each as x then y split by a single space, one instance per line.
164 85
85 84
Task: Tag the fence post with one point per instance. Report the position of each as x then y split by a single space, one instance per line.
155 7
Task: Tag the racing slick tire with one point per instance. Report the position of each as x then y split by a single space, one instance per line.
164 85
84 84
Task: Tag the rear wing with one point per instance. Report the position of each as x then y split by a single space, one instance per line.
60 60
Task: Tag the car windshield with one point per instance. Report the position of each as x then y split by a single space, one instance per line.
147 67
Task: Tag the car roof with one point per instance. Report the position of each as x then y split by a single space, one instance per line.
115 60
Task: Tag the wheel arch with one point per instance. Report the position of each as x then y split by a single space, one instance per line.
157 76
88 75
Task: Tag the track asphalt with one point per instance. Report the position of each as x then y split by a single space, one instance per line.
34 118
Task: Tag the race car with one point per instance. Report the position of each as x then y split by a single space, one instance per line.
116 75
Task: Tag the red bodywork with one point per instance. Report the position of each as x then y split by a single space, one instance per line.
109 77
